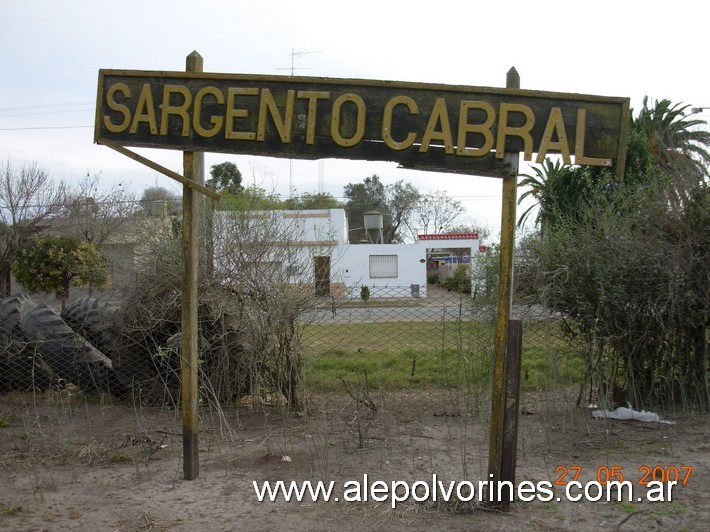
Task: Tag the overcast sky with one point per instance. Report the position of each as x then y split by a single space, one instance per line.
52 52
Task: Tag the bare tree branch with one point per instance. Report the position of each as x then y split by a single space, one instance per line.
28 200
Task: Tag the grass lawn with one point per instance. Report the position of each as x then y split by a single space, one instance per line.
400 355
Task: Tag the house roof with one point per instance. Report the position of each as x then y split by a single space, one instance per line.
450 236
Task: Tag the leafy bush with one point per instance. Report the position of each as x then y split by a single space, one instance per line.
633 285
459 281
53 264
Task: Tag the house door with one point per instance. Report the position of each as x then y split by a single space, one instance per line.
322 276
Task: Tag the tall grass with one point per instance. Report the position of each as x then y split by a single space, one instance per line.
403 355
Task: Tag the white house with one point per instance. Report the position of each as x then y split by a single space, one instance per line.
320 253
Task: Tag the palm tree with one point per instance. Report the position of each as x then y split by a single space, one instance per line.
539 190
679 142
663 138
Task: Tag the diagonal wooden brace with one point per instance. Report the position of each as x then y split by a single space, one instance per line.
159 168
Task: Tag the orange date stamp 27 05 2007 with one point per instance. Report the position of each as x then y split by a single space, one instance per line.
604 474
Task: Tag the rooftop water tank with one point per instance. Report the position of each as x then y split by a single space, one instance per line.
373 220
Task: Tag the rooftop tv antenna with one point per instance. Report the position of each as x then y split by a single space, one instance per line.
295 55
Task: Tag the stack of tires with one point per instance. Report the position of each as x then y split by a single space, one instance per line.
39 348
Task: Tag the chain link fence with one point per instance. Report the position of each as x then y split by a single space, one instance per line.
280 316
255 352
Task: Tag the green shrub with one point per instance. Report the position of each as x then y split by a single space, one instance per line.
459 281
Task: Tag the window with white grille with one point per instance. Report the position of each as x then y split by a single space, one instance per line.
383 267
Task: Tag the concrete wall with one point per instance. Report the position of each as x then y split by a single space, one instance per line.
353 269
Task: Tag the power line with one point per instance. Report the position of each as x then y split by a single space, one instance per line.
44 109
41 127
47 112
44 106
108 201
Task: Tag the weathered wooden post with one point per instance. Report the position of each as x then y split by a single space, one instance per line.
513 359
505 302
193 169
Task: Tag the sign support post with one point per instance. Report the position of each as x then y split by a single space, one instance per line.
505 301
193 169
514 351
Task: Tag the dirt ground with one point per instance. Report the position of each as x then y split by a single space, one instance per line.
80 464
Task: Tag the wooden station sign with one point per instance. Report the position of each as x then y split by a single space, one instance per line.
448 128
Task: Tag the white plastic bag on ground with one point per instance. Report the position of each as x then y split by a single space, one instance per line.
630 413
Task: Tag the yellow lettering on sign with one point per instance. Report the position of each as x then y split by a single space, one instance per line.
180 110
387 123
579 157
555 126
115 106
145 111
439 116
232 113
484 128
216 121
283 124
312 97
504 130
359 120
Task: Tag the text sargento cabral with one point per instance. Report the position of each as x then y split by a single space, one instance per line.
442 127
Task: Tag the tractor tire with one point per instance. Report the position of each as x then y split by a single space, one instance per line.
20 369
67 354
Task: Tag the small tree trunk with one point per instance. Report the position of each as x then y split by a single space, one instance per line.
63 294
5 280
